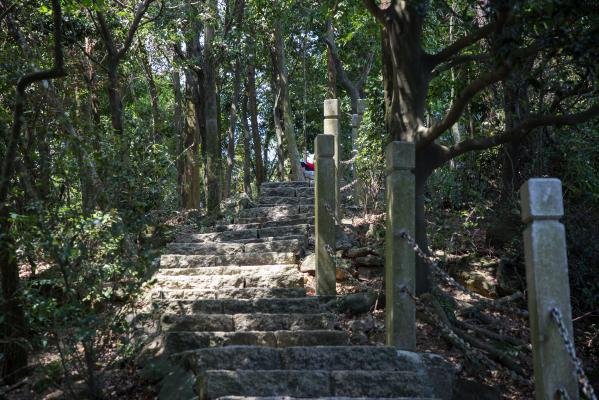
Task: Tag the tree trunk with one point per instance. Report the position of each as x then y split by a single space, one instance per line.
231 130
247 151
190 176
281 111
331 72
178 122
156 125
114 98
253 109
13 345
211 113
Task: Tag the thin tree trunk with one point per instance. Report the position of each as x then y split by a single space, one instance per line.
331 72
253 109
231 130
247 151
147 67
281 111
179 122
211 113
13 348
190 177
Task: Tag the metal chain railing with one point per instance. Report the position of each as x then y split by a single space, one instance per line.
436 270
587 389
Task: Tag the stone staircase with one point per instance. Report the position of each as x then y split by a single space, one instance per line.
236 318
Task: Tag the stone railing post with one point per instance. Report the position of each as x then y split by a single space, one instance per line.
331 127
400 259
356 120
548 287
324 201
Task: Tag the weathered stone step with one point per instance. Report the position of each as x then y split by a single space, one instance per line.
269 239
247 322
218 236
276 212
280 200
319 398
288 191
305 305
198 248
315 383
251 258
278 221
294 184
178 342
270 229
301 358
230 277
228 293
227 248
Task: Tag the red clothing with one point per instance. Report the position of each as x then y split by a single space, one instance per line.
309 166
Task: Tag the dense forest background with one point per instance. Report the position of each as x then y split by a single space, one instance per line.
119 119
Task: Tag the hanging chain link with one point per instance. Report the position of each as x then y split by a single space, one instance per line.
587 389
348 186
563 394
438 272
350 160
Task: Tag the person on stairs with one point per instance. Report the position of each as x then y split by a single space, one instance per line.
308 170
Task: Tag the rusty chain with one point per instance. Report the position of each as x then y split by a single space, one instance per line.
348 186
587 389
436 270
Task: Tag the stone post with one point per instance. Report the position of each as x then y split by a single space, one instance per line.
548 287
324 201
400 259
331 127
356 120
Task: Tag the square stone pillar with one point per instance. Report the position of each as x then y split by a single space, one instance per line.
331 127
324 201
400 259
548 287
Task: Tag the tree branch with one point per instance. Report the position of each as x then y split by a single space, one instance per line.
349 86
375 10
105 33
520 130
458 106
25 81
139 13
458 60
466 41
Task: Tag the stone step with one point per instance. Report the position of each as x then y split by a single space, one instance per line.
319 398
238 294
218 236
305 305
178 342
311 383
199 248
269 229
278 221
288 192
287 230
235 227
300 358
251 258
299 219
294 184
301 238
280 200
230 277
246 322
226 248
276 212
